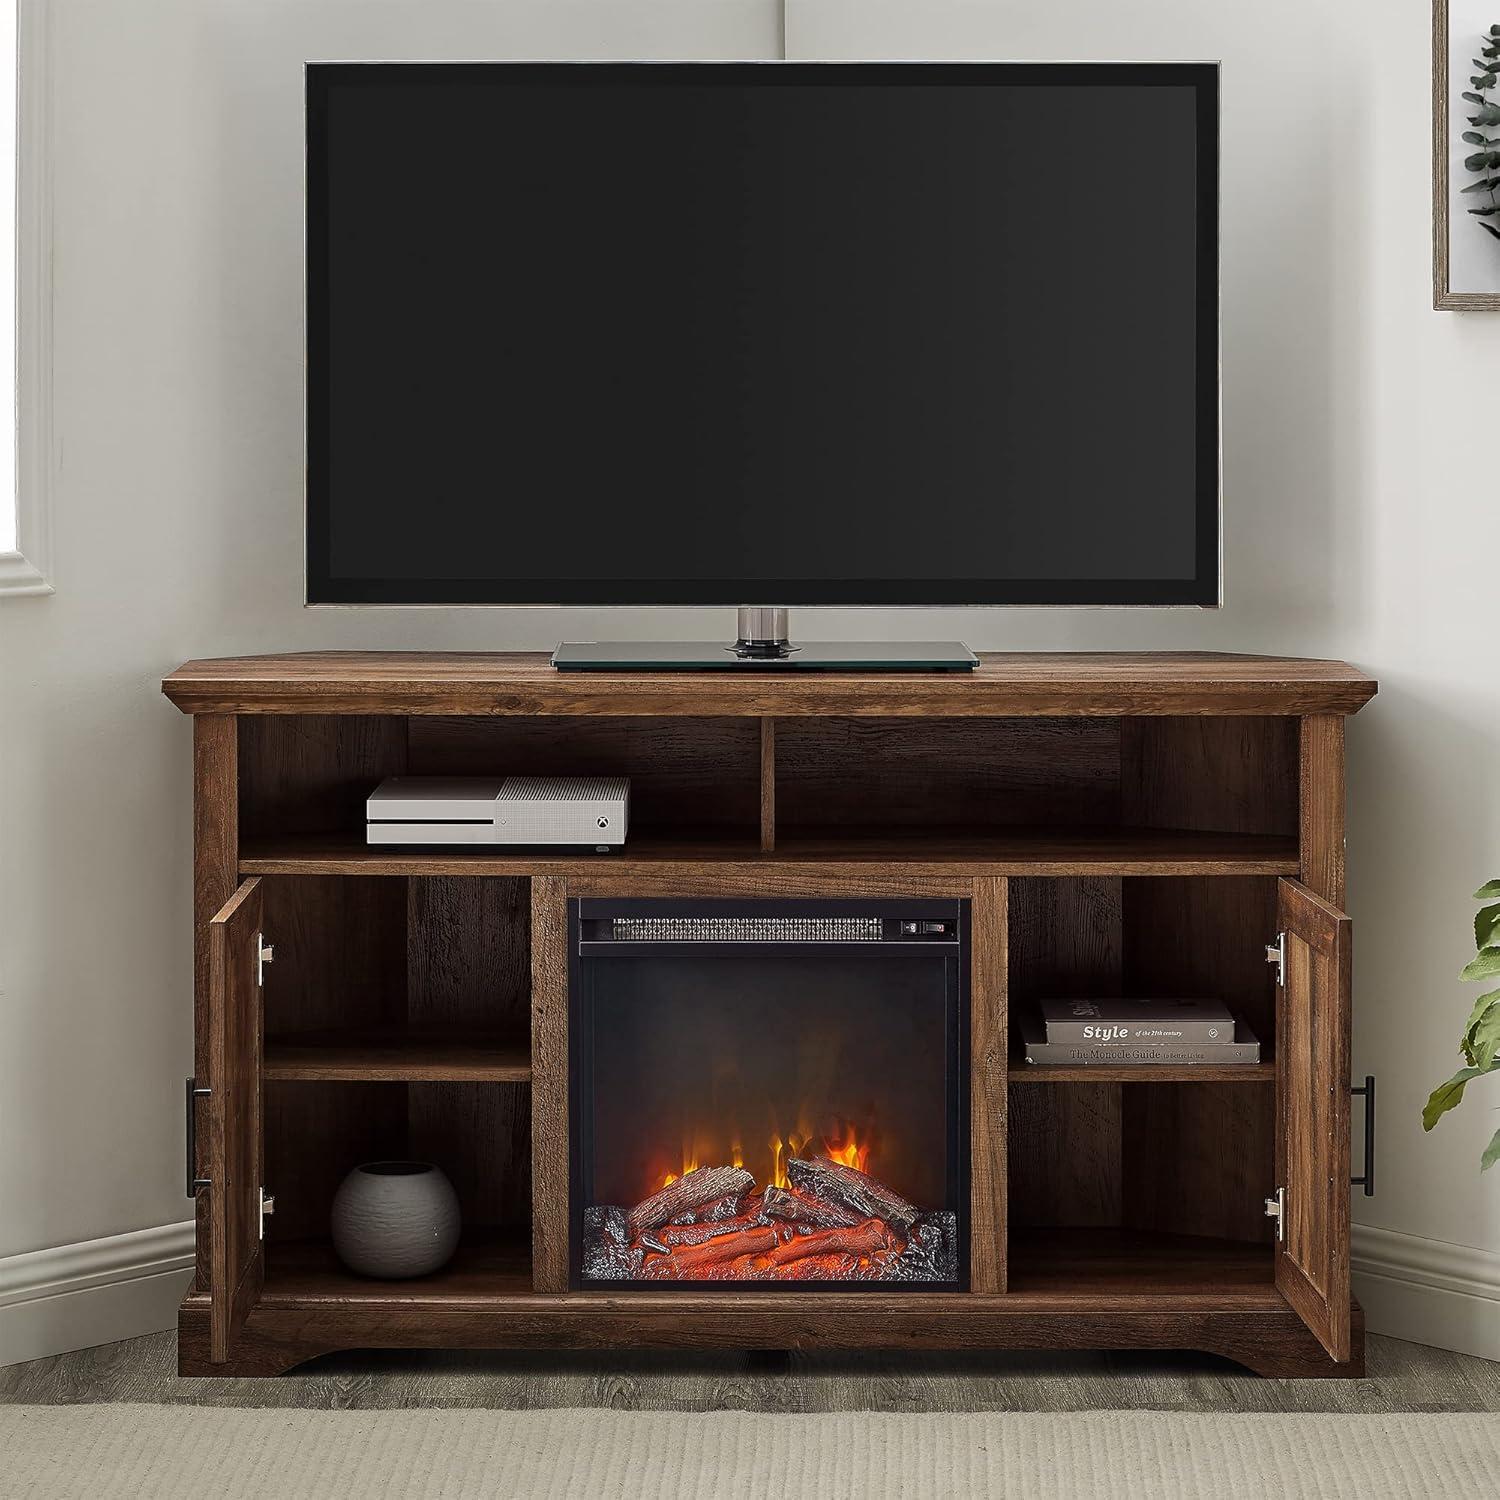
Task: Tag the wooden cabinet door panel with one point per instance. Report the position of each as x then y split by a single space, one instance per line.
1312 1039
235 1031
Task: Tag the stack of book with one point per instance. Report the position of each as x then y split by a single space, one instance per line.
1116 1033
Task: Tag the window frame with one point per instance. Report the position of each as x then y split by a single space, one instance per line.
28 569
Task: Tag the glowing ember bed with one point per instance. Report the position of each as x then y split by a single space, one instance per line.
768 1092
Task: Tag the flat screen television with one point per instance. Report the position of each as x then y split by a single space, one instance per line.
715 334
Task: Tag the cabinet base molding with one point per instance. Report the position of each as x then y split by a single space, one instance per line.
1266 1336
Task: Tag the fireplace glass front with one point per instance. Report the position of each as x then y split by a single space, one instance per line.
769 1093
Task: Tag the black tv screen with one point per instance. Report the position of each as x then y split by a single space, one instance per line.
870 334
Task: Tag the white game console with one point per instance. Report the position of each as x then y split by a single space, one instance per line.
516 810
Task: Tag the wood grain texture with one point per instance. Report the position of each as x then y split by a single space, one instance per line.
317 1132
216 822
1108 1263
1322 799
1264 1073
1251 1326
685 772
1194 939
1199 1159
340 965
959 854
397 1056
773 881
1312 1146
549 1085
1398 1377
1229 775
1065 1169
989 940
931 774
312 773
1089 684
1064 1143
767 785
234 1114
469 969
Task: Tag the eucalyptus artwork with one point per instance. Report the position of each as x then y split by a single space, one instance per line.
1466 156
1481 1039
1486 117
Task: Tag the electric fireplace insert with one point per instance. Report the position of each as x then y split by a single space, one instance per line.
769 1093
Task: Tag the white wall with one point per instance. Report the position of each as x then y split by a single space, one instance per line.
1359 523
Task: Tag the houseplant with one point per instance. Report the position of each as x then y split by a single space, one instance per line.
1480 1042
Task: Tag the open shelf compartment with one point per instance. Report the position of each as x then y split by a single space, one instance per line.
424 979
1156 938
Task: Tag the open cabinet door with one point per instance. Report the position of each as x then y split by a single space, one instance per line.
237 1266
1312 1087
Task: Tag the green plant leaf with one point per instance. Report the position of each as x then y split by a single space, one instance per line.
1491 1153
1482 1006
1486 213
1489 114
1474 138
1485 963
1482 161
1484 1040
1490 228
1484 185
1487 926
1483 81
1489 891
1447 1096
1472 98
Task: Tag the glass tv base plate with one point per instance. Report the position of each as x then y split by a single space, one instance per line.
810 656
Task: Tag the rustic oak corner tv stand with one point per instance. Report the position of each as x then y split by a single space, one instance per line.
1112 824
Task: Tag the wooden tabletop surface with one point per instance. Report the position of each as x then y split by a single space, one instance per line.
1004 684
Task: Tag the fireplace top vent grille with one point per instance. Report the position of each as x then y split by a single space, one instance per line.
746 929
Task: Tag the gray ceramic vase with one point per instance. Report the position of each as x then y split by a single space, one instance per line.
395 1219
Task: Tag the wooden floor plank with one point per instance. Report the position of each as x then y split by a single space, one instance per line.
1402 1378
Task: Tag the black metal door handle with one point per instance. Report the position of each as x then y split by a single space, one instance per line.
194 1182
1366 1179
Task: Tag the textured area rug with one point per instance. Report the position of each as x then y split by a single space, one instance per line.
97 1451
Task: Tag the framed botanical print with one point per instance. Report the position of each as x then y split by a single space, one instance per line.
1466 155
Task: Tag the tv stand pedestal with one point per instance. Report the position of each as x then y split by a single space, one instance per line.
764 644
1118 825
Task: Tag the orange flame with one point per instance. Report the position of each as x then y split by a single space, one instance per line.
849 1152
842 1145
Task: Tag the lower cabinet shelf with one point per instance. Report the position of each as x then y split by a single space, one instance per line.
1094 1268
487 1264
399 1056
1101 1265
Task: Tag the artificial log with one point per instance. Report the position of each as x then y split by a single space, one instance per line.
716 1210
685 1195
856 1239
675 1235
691 1261
801 1208
847 1187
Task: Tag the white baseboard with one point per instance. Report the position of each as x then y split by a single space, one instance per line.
1428 1291
76 1296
